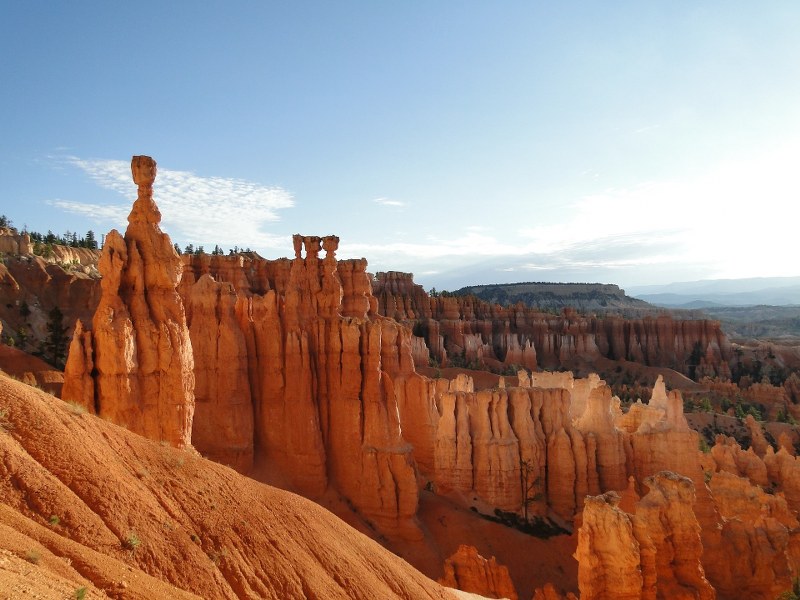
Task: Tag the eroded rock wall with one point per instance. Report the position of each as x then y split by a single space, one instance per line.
319 366
463 328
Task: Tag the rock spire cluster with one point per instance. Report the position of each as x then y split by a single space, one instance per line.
291 370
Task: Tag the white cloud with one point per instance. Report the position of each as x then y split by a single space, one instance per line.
737 219
97 212
389 202
207 210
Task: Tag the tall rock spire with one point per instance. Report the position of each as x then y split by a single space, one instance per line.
139 343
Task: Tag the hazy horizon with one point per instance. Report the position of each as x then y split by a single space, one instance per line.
632 144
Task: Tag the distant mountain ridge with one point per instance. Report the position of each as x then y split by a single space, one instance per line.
773 291
585 297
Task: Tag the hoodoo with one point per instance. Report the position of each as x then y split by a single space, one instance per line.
138 351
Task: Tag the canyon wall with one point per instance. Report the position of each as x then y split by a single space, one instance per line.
474 332
312 366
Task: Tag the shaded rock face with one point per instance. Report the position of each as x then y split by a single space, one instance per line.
472 330
138 352
468 571
31 287
313 367
653 553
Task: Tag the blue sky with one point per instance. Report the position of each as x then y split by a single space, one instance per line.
469 142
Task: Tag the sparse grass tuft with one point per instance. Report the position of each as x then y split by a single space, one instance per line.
80 593
54 520
132 541
5 424
33 556
76 409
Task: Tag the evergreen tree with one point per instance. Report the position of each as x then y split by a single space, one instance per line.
56 342
22 335
91 241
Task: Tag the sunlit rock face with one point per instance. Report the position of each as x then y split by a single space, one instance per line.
653 553
316 372
468 571
138 355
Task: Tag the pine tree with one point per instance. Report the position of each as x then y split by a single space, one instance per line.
56 342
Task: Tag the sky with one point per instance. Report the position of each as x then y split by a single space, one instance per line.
468 142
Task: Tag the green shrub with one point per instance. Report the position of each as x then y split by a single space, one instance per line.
132 541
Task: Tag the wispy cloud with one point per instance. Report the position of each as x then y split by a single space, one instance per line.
646 128
737 219
389 202
220 210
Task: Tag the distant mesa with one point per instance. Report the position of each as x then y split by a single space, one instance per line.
584 297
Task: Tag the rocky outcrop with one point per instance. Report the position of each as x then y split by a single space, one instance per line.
12 242
319 369
608 554
516 447
468 571
142 376
549 592
465 329
653 553
761 536
31 288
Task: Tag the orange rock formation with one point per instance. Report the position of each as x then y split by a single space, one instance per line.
463 326
468 571
321 392
139 344
298 378
654 553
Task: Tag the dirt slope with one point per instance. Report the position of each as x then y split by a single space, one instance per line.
84 503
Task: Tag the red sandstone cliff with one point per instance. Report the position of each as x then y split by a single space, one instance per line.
477 332
314 366
31 287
